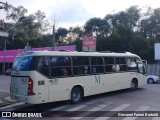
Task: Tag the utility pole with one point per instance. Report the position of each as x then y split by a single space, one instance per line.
53 40
3 34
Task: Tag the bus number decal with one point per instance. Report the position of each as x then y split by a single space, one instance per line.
97 79
24 80
54 81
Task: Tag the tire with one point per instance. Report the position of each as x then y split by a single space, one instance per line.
134 85
76 95
150 81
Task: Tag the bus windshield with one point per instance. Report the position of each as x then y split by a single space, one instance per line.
22 63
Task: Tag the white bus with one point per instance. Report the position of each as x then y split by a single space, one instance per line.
49 76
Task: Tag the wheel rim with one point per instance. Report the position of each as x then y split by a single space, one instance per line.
133 85
76 95
150 81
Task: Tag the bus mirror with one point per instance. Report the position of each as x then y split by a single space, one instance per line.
144 66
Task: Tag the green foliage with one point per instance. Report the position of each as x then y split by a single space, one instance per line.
129 30
60 36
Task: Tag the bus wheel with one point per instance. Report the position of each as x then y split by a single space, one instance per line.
76 95
134 85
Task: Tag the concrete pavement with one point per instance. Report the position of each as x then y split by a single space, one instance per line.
5 83
5 91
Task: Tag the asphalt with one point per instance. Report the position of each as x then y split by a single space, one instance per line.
4 91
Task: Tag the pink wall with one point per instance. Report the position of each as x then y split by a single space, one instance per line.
11 54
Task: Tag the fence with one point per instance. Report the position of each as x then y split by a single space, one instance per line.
154 69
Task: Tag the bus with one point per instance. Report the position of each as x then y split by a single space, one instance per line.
49 76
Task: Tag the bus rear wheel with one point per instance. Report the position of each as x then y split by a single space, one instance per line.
76 95
134 85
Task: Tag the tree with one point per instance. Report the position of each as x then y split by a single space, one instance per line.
60 36
150 27
130 18
74 37
96 26
40 18
31 26
14 13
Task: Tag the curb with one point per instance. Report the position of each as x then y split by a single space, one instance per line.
7 101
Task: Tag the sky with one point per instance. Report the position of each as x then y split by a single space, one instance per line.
70 13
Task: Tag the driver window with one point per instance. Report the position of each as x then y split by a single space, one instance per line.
140 68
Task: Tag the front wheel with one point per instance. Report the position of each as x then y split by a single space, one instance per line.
76 95
134 85
150 81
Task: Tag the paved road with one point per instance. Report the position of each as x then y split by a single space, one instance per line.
5 83
4 90
145 98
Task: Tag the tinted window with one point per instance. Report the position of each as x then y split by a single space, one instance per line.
60 66
80 61
97 65
109 64
80 65
120 64
120 60
109 60
22 64
43 65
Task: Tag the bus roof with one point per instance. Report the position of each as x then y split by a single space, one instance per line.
75 53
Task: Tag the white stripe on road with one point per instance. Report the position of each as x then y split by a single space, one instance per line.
142 108
119 108
99 107
58 108
77 108
93 109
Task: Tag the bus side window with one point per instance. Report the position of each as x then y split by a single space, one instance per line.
97 65
43 65
131 64
120 63
63 66
64 72
109 64
54 66
80 65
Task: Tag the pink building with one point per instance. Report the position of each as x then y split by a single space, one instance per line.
10 55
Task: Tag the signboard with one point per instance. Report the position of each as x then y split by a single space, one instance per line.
89 43
3 34
157 51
